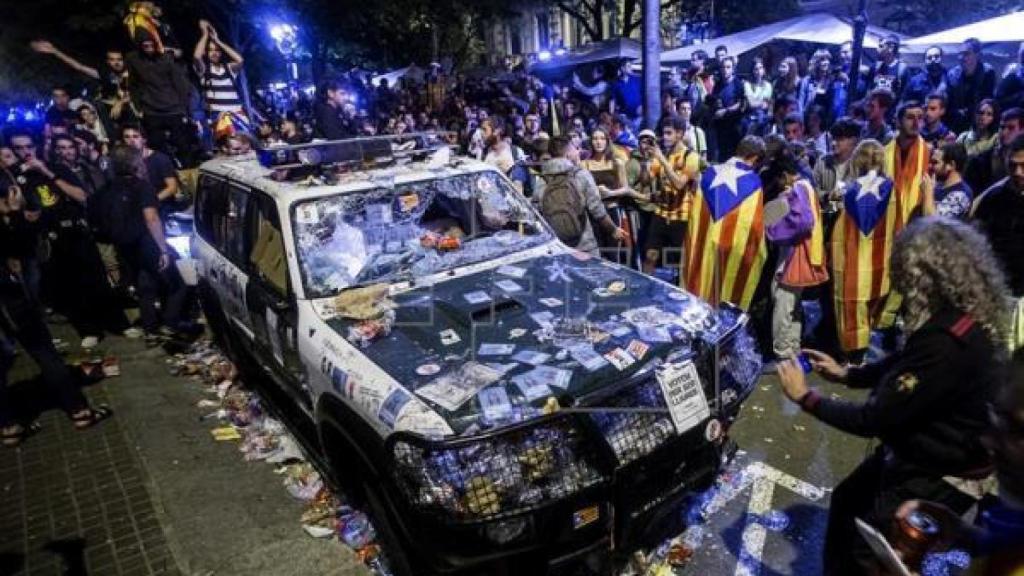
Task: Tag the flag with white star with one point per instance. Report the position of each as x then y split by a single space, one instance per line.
860 249
725 246
866 200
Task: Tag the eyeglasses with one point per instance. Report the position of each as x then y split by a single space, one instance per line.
933 58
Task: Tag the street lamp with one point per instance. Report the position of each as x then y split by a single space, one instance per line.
286 38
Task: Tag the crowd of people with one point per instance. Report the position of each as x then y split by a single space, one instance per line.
895 203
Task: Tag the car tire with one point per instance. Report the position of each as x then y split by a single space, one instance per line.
393 546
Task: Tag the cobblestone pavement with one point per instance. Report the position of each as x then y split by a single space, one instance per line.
76 502
148 491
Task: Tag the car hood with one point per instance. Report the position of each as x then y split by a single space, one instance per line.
581 316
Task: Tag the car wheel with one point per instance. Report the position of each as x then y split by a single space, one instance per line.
398 559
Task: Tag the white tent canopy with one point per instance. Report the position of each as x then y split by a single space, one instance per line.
820 28
1006 28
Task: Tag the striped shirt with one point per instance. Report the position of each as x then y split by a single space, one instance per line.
669 203
219 90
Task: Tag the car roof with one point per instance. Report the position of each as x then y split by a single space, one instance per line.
247 170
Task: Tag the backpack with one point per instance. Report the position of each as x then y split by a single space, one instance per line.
562 206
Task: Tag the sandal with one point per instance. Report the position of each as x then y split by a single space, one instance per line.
12 436
92 417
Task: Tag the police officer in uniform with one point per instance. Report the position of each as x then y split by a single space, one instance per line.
928 402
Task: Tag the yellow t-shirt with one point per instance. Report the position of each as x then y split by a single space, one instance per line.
669 203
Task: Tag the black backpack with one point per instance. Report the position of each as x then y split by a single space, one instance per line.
563 207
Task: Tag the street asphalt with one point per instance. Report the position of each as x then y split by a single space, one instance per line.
221 515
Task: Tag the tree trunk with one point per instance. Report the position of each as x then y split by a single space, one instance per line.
652 63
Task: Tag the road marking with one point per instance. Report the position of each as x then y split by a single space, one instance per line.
764 478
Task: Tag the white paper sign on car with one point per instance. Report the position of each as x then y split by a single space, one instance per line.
684 396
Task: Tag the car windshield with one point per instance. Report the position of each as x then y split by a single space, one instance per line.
404 231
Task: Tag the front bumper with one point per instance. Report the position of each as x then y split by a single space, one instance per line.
626 507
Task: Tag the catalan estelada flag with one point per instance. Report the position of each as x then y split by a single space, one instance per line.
142 23
725 246
861 245
906 171
230 123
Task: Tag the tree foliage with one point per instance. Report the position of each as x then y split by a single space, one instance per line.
919 17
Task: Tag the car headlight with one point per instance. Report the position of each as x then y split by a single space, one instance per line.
499 474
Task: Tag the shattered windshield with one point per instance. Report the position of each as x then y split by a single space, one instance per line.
411 230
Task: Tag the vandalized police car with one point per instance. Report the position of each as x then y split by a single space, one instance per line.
495 398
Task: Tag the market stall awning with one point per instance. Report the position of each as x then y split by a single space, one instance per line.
819 28
1006 28
607 50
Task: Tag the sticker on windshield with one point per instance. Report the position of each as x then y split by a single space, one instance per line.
477 297
307 214
684 395
485 185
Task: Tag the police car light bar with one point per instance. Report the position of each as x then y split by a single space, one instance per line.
369 150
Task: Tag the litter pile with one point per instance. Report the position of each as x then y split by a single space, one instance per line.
241 417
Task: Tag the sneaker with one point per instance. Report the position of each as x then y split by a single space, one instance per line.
90 342
133 333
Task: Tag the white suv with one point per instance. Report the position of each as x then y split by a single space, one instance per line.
492 396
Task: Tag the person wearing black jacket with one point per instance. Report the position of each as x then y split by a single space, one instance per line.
928 402
161 90
1010 89
967 84
21 321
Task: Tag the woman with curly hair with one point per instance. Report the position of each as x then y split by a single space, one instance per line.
928 402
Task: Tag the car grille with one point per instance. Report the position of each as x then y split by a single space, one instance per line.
633 435
498 475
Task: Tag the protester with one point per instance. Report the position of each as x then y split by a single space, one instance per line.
989 166
729 103
890 72
928 402
609 172
726 229
672 174
798 236
946 194
218 80
876 109
570 200
159 170
969 83
330 124
816 87
930 80
758 93
999 212
160 89
1010 89
984 132
859 248
693 135
906 159
21 319
787 82
934 130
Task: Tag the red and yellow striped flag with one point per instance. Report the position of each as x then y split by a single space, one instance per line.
906 173
725 246
861 245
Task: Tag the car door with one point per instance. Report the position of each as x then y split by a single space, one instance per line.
270 299
221 210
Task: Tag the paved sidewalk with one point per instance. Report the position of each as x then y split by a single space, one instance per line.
149 491
78 501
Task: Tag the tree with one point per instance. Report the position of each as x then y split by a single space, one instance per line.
919 17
